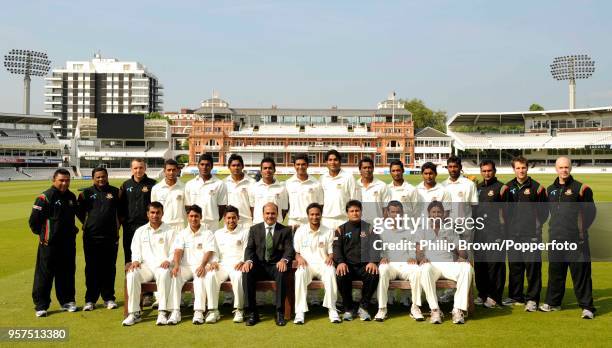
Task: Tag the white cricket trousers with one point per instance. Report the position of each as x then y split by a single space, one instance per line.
212 284
460 272
187 273
134 280
305 275
398 270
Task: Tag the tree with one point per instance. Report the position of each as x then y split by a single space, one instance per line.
422 116
183 159
536 107
157 116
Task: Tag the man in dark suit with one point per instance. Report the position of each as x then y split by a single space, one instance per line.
268 255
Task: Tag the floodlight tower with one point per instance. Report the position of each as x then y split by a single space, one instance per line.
571 68
27 63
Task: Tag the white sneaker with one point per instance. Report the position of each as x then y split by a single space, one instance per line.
531 306
70 307
198 318
363 314
41 313
89 306
511 302
478 301
447 296
545 307
415 313
334 317
110 304
348 316
436 316
381 315
489 303
458 316
299 318
131 319
147 300
228 299
238 316
213 316
175 318
587 314
161 318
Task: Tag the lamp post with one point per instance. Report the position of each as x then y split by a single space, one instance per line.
27 63
570 68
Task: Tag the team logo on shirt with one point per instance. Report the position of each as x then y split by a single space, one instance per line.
109 196
362 234
321 245
568 192
199 246
70 203
491 193
527 191
179 197
145 189
460 194
375 193
338 186
434 198
161 241
238 242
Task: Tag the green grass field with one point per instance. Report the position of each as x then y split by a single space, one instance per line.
503 327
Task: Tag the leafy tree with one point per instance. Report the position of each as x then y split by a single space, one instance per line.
422 116
536 107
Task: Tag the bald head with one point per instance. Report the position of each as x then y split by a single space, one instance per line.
563 166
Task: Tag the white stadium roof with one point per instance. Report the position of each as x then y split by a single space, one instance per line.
517 117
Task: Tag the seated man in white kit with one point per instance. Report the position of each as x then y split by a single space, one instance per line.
313 244
230 242
193 248
151 259
398 264
441 262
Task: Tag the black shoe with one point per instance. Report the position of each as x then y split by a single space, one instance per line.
280 319
252 319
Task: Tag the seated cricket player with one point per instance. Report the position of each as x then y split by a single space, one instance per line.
193 249
437 260
313 244
151 259
398 264
230 242
356 259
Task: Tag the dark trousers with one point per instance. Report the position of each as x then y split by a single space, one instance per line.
490 274
345 286
264 271
57 261
519 265
128 234
100 269
579 264
490 279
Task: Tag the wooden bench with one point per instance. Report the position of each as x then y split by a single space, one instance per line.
404 285
265 285
270 285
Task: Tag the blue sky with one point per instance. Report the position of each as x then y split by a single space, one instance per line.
455 55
